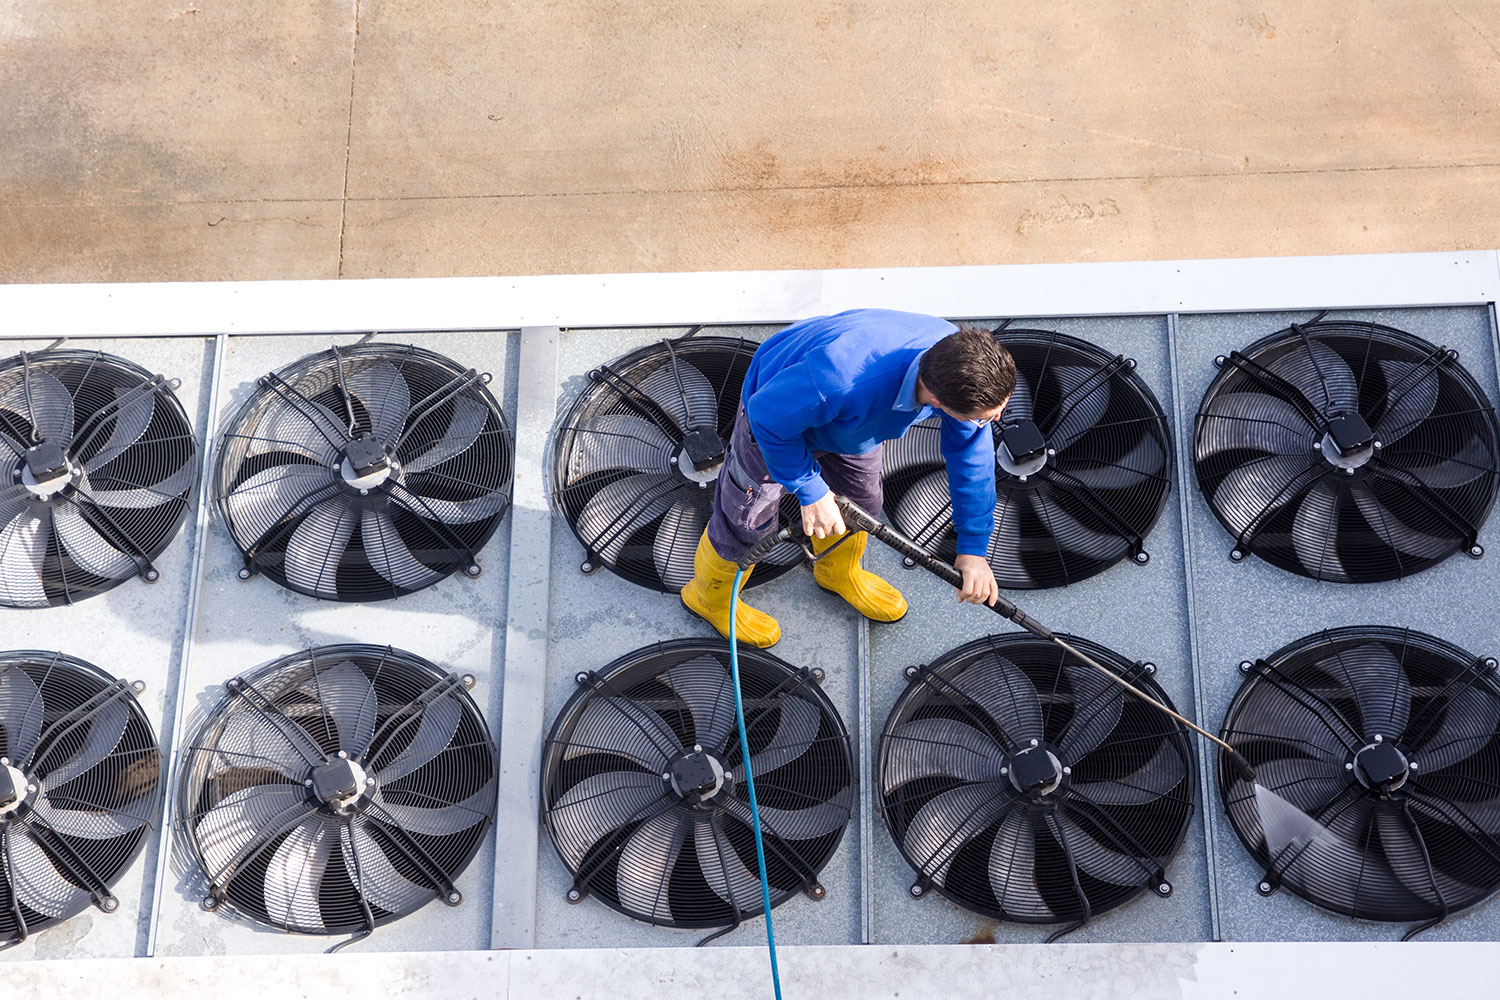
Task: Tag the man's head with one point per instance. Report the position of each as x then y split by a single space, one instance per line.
968 373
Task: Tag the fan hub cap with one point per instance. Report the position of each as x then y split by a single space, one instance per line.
339 784
1381 765
697 775
708 474
1349 443
48 471
13 790
366 464
1022 450
1036 771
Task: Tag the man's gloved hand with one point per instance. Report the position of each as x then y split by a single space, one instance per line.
979 580
822 519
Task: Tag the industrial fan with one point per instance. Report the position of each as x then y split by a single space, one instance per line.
1024 786
338 788
1345 451
1082 467
1389 740
364 473
80 773
96 462
644 793
638 453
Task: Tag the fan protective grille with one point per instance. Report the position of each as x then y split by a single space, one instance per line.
338 788
1024 786
620 474
364 473
1388 739
81 519
1349 452
643 791
83 774
1066 513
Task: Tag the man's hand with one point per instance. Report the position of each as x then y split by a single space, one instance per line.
979 580
822 519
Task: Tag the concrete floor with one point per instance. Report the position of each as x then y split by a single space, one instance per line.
212 139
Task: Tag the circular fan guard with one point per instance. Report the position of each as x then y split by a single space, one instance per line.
1023 786
623 472
338 788
1082 467
79 788
1349 452
643 792
365 472
97 459
1388 738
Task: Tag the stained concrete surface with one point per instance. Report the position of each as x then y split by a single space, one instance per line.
205 140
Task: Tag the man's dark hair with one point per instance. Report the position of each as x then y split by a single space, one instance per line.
968 371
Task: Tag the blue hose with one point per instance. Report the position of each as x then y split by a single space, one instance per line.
739 714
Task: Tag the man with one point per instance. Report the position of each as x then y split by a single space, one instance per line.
818 400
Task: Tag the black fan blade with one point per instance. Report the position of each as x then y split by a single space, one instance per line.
345 693
1482 816
948 821
316 548
1085 398
625 728
1305 783
1072 535
45 404
723 869
23 548
677 540
249 739
798 727
142 497
705 689
1090 855
8 443
435 730
375 876
389 554
1471 718
259 503
300 427
999 688
622 508
20 714
620 441
1314 531
930 748
598 806
645 868
1470 462
924 512
104 732
1162 773
436 818
295 874
1236 421
469 416
1304 723
1379 686
36 881
238 820
1395 532
458 511
1409 861
1321 376
1097 703
1013 870
1260 487
1005 543
1411 395
694 392
1145 461
798 824
87 548
385 396
920 447
1020 407
90 823
130 423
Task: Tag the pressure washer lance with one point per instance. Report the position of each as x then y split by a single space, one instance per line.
859 518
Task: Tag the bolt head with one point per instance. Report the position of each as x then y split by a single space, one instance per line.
31 788
1265 887
1022 478
454 897
697 748
1379 738
916 890
343 755
1035 742
1067 770
729 775
1412 765
1005 770
1348 765
307 783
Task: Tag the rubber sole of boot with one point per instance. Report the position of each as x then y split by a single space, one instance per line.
878 621
699 615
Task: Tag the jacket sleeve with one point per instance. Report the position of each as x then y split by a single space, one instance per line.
970 454
779 414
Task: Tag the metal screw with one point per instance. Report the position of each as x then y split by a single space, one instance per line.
1005 770
473 570
702 485
666 776
1236 555
574 895
1378 444
729 775
1379 738
307 783
343 755
1348 472
1412 765
1051 451
151 575
1034 742
454 897
1164 888
370 782
697 748
364 493
1023 479
244 574
1067 770
586 567
1265 887
31 788
108 904
1349 765
5 761
917 891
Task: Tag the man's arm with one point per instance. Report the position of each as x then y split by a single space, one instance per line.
969 452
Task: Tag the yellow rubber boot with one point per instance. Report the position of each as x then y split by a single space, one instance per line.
707 596
840 572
